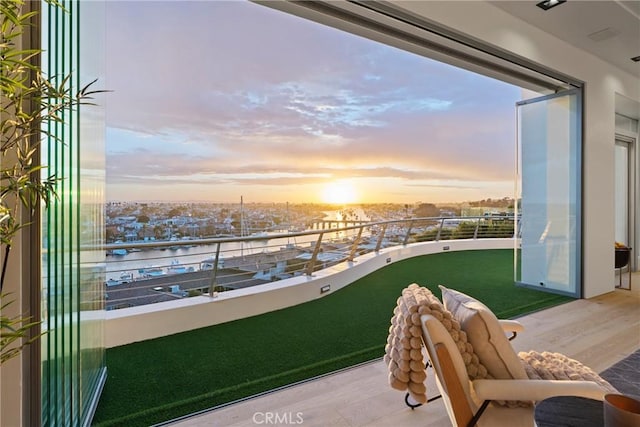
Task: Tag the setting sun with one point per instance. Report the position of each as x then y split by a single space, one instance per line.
339 193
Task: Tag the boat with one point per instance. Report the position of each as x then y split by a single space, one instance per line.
112 282
175 247
119 252
208 263
187 238
149 272
177 268
125 278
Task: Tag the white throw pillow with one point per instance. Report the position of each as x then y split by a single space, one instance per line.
485 335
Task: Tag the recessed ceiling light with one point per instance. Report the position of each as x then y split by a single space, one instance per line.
548 4
636 59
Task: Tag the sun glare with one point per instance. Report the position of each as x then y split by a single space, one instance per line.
339 193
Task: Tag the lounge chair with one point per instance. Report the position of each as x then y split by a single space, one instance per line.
504 386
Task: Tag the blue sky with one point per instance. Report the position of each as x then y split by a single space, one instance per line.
216 99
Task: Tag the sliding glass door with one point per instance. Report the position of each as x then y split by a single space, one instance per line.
73 367
623 185
549 189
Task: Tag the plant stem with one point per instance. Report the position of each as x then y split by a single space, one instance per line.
7 249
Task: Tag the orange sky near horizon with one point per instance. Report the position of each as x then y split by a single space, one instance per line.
333 192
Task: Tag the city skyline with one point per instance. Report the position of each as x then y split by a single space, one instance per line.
292 111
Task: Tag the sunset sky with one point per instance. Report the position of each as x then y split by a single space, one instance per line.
217 99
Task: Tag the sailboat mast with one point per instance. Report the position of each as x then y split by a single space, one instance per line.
241 217
241 227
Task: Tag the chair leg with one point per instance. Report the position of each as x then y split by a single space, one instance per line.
621 273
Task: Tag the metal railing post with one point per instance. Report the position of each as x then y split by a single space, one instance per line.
314 257
475 233
214 274
354 247
380 238
406 236
440 229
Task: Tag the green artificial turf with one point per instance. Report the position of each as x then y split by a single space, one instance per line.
164 378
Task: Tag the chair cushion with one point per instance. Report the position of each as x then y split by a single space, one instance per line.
485 335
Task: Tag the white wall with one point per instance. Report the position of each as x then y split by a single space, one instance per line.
140 323
603 81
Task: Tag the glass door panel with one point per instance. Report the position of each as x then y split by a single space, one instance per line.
622 161
73 366
549 189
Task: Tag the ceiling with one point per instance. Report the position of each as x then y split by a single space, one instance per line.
609 29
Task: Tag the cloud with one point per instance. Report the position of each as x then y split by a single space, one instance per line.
246 95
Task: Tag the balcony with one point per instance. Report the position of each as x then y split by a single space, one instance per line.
246 276
184 313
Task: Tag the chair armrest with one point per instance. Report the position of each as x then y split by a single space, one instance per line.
535 389
511 325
